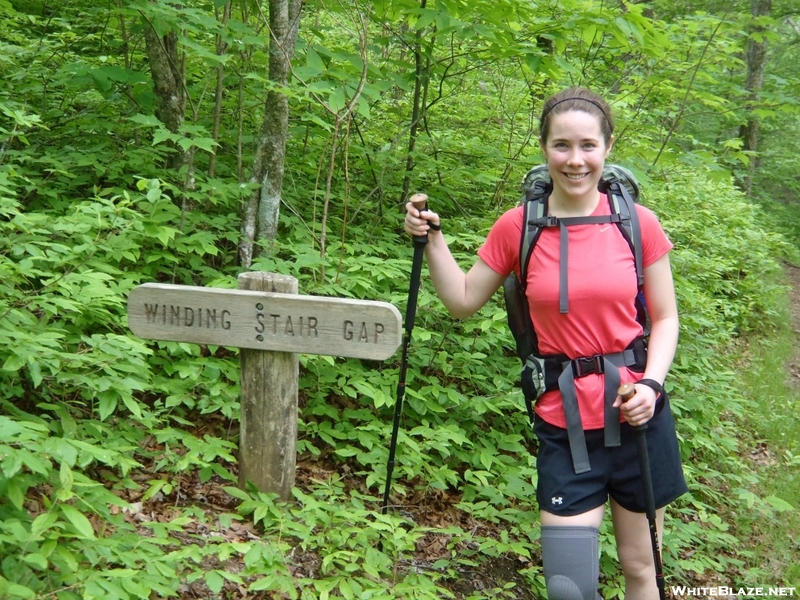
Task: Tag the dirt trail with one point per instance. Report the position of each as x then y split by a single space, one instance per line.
793 274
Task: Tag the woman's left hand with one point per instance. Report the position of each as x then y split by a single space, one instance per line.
639 409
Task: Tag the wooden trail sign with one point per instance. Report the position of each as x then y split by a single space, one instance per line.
271 324
265 320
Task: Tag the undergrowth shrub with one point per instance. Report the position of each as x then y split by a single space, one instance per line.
728 284
80 396
110 445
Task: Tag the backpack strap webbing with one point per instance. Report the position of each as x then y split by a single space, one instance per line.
534 211
607 365
623 204
542 373
563 268
535 217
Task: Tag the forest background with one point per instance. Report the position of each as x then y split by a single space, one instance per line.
188 142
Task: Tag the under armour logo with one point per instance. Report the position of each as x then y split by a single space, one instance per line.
559 500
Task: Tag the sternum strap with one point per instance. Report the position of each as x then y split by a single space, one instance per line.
563 255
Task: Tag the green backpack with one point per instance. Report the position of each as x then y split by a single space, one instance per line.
541 373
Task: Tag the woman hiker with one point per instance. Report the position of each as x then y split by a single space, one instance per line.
576 136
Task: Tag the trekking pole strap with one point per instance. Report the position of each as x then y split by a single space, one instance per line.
656 387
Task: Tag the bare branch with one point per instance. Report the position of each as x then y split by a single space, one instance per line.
793 25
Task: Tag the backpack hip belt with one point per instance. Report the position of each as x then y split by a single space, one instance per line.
607 365
546 373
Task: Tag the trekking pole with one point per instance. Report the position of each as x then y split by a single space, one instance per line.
626 392
420 202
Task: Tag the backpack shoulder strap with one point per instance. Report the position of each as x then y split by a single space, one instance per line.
624 205
534 210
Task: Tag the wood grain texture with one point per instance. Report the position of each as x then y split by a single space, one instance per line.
265 319
269 388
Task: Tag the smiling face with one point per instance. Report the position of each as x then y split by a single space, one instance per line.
576 152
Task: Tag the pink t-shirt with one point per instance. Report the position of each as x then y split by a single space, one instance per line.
602 289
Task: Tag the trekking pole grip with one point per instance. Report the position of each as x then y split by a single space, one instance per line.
626 391
420 202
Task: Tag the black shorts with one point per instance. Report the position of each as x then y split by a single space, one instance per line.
614 471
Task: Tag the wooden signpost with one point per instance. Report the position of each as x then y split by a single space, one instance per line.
271 324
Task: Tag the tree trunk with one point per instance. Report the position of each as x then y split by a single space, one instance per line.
756 62
162 52
260 217
222 48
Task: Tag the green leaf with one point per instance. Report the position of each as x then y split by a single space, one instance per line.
42 523
9 429
14 362
337 100
36 560
65 451
214 581
265 583
12 461
107 404
346 589
426 17
149 120
207 144
162 135
34 462
65 475
486 460
132 405
79 521
779 504
314 64
20 591
14 492
346 452
236 493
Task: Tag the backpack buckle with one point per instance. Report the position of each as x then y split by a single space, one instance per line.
587 365
546 221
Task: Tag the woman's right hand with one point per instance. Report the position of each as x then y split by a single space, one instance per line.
419 223
461 293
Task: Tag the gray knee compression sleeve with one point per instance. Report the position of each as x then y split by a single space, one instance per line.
571 562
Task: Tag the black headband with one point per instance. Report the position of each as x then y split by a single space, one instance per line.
547 112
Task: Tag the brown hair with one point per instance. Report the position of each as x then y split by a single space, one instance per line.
577 98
